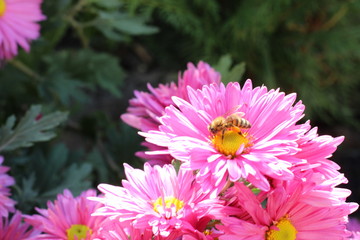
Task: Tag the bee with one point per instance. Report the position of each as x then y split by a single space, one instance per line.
220 124
235 120
217 125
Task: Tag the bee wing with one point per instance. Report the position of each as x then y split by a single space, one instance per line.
234 110
239 114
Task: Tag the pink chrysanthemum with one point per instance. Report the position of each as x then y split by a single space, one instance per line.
18 25
316 150
6 203
160 201
116 231
289 212
14 229
265 150
68 218
146 108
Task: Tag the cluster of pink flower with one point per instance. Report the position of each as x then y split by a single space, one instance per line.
257 175
253 171
248 169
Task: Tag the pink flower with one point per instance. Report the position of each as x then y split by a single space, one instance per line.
287 211
160 201
161 157
116 231
265 150
316 150
68 218
146 108
14 229
6 203
196 78
18 25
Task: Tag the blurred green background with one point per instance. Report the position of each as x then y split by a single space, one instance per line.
92 54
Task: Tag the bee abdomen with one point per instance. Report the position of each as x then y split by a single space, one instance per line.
244 123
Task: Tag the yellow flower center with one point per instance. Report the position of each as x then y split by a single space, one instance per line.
169 202
285 230
2 7
229 141
78 232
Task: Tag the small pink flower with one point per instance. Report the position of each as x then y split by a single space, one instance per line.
146 108
286 211
68 218
264 151
160 201
14 229
18 25
6 203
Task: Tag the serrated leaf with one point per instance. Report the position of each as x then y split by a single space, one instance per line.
73 179
29 191
228 73
54 163
235 74
26 196
47 173
29 129
72 71
224 64
68 89
123 23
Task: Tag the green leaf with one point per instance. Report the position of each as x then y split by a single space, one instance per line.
113 23
235 74
26 196
29 190
228 73
224 64
30 129
176 163
256 191
53 164
109 32
45 171
110 4
68 89
73 178
71 71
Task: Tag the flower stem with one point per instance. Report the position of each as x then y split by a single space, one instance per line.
25 69
79 28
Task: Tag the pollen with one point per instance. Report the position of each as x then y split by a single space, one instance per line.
229 141
78 232
2 7
169 203
282 230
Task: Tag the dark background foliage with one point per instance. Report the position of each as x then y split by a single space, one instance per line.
92 54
